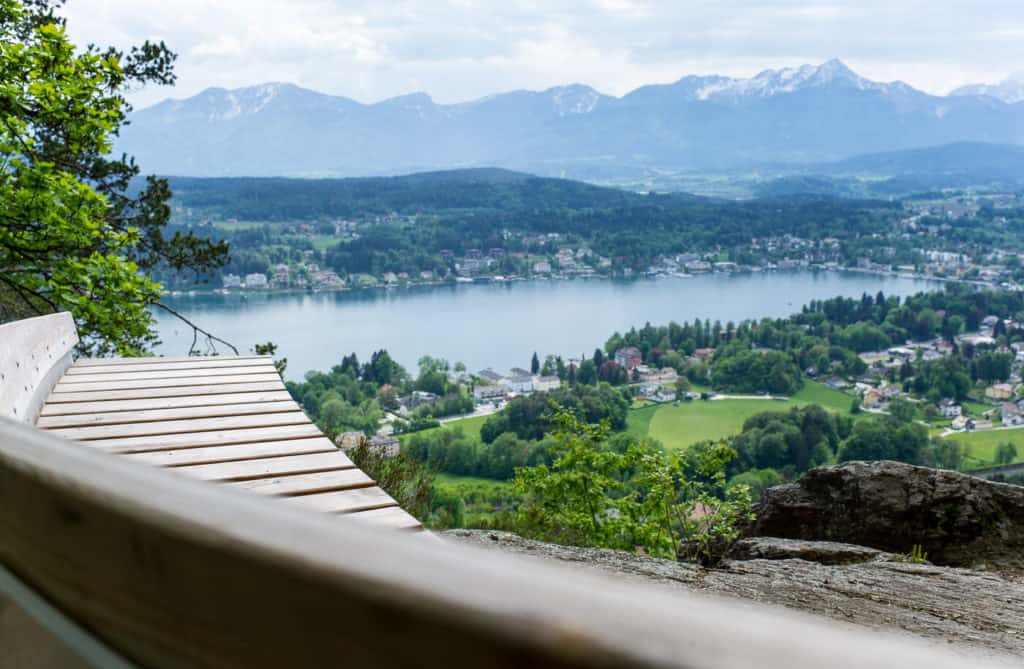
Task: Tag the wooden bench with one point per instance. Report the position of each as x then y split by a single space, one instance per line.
142 565
222 419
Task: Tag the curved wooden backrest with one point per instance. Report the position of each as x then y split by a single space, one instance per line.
34 353
172 572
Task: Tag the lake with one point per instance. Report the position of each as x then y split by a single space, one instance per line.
497 325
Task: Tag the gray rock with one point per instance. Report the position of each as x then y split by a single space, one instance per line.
956 607
957 519
822 552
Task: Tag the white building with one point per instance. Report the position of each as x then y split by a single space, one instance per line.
546 383
255 280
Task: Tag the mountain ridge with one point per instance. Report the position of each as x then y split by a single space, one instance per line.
807 114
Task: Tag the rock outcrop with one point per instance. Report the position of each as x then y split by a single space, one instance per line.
959 608
957 519
822 552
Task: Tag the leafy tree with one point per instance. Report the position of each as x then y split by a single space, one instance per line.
902 409
409 482
76 235
1006 453
885 439
592 495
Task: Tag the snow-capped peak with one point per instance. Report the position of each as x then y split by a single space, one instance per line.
785 80
573 99
1010 90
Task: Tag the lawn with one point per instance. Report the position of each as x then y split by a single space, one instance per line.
638 421
818 393
699 420
324 242
980 447
470 426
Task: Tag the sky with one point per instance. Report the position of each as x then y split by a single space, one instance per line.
458 50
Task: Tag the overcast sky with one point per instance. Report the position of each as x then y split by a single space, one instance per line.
458 50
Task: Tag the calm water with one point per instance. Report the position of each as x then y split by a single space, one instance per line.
498 325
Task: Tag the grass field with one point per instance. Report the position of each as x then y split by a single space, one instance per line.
819 393
471 426
686 424
323 242
691 422
980 447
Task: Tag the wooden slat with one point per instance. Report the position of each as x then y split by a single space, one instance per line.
267 467
158 375
345 501
177 457
160 366
64 387
306 484
194 412
392 516
161 403
102 362
131 431
164 442
273 385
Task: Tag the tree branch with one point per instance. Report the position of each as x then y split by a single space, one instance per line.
195 329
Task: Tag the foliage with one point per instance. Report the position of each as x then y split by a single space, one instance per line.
631 496
270 348
454 451
1006 453
72 235
409 482
529 416
757 481
792 441
917 555
745 371
885 438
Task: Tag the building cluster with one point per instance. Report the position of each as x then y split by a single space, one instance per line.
495 386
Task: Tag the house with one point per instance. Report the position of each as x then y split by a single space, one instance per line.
543 384
231 281
982 425
1010 414
255 280
948 408
490 375
415 399
349 440
519 371
542 267
389 447
963 423
629 357
518 384
662 375
488 393
873 398
874 357
999 392
703 355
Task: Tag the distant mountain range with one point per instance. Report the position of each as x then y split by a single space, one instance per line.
792 116
1010 91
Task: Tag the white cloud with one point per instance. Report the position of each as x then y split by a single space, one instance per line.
464 49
